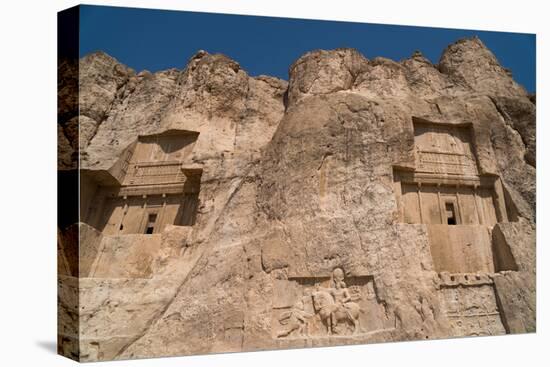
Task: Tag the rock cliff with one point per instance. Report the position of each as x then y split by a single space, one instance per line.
299 194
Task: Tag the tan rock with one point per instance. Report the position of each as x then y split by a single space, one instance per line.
364 201
470 64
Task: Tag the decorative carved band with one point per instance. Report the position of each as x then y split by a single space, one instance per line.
464 279
150 190
147 173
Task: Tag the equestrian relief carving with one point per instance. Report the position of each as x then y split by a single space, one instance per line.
326 306
334 305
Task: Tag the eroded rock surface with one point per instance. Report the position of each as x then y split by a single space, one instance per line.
326 206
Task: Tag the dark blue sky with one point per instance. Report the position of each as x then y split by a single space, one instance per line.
161 39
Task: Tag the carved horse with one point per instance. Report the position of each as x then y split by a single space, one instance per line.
332 313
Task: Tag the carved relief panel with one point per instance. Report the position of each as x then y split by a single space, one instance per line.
157 159
311 307
469 302
444 149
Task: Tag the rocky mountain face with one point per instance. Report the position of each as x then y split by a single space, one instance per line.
299 198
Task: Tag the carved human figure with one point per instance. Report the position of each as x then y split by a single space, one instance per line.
295 319
335 305
339 290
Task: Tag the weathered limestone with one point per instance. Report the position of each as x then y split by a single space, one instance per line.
364 201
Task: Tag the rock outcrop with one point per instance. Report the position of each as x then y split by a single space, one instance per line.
303 200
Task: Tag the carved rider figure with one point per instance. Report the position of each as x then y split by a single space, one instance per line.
341 295
339 290
335 305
